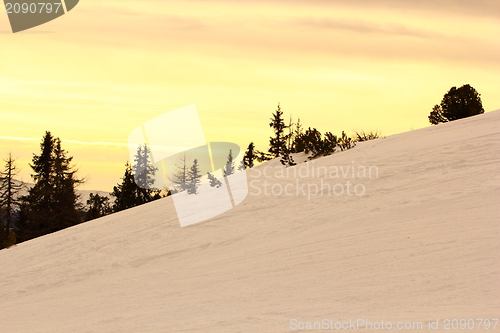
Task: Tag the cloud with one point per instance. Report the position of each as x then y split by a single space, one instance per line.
17 138
150 17
364 27
116 144
487 8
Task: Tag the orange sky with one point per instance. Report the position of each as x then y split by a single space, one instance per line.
96 73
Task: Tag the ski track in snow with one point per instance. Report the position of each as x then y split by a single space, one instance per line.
422 243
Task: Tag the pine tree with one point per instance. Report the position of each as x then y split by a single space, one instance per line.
297 143
366 135
9 190
262 156
248 159
457 103
97 206
144 174
52 203
194 178
286 158
329 144
241 166
4 235
229 168
214 182
127 193
310 141
180 178
277 144
436 115
36 209
345 142
65 183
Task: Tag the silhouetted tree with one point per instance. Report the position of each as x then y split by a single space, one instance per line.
366 136
277 144
67 199
248 159
286 156
309 140
127 193
312 142
36 208
456 104
4 234
52 203
297 143
262 156
328 144
9 190
345 142
97 206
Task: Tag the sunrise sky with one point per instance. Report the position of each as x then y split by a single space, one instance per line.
93 75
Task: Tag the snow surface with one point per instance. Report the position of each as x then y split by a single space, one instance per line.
422 243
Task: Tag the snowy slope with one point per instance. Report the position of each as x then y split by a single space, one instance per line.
421 243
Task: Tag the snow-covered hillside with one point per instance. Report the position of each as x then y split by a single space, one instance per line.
420 242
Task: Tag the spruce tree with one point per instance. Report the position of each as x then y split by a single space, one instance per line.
36 209
248 159
65 183
4 235
262 156
52 203
310 141
144 174
229 168
297 143
214 182
97 206
277 144
194 178
241 166
9 190
127 193
345 142
180 178
329 144
286 157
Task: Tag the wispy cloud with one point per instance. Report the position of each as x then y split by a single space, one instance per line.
364 27
485 8
112 65
102 143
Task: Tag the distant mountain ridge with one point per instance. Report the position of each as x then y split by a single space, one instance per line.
84 194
